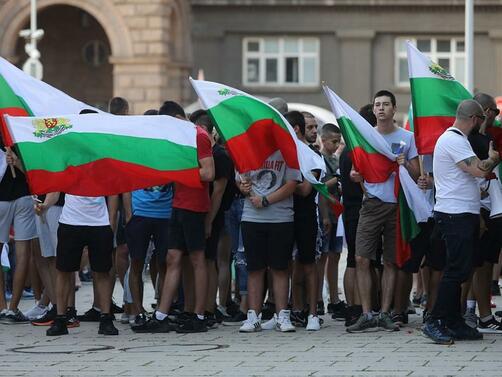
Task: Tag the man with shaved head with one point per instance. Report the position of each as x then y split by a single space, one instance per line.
456 212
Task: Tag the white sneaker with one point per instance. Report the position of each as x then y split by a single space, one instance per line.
284 322
36 312
270 324
251 324
313 323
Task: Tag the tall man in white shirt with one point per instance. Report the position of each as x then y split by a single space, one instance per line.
456 212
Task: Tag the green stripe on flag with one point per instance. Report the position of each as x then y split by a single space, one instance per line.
8 98
58 153
353 137
436 97
235 115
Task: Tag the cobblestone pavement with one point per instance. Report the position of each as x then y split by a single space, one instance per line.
26 351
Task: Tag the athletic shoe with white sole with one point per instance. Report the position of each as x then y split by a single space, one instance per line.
38 311
284 322
251 324
313 323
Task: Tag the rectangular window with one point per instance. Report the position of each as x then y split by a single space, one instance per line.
449 53
281 61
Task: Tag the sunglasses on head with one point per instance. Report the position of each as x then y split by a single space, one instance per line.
482 117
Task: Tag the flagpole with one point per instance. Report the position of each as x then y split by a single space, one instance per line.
469 44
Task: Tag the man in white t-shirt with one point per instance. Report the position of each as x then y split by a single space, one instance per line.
84 222
377 218
456 212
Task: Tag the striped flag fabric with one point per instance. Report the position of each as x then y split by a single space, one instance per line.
435 95
253 130
373 158
409 126
96 154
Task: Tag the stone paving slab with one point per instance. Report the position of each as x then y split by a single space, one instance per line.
26 351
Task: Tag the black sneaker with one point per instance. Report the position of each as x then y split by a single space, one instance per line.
352 314
220 316
181 318
211 321
114 308
425 316
339 311
233 308
298 318
435 330
495 289
492 326
58 326
330 308
15 317
320 308
194 325
363 324
72 318
140 320
268 311
236 320
47 319
106 326
464 332
400 319
92 315
153 325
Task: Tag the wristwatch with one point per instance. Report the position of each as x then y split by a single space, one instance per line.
264 202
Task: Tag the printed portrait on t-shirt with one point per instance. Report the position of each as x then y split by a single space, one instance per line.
266 179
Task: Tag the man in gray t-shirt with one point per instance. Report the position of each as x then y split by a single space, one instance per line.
268 236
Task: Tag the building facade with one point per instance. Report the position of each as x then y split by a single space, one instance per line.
144 50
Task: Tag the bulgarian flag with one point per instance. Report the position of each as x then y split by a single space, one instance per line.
253 130
435 96
99 154
23 95
373 158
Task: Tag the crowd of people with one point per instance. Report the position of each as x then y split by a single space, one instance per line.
275 232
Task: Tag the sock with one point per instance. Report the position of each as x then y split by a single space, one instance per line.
160 316
471 305
486 319
201 317
96 309
369 315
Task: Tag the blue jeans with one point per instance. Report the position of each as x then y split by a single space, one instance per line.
460 233
233 226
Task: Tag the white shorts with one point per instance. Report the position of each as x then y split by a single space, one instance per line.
20 214
47 229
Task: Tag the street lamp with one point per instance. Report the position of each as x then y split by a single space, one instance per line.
32 66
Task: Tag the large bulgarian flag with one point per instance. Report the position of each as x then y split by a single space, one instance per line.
435 96
373 158
253 130
98 154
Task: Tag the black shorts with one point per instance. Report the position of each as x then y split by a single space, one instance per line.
490 242
140 230
71 242
427 244
306 229
187 230
350 220
267 245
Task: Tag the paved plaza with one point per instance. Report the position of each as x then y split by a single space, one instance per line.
25 350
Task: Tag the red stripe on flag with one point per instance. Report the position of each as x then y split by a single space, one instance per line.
428 130
14 111
106 177
374 167
403 248
250 149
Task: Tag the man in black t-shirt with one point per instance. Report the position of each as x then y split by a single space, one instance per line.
221 193
16 210
491 240
305 231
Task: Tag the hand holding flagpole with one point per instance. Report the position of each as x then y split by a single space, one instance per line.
11 160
